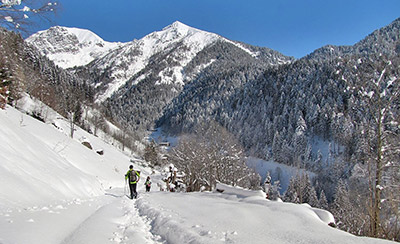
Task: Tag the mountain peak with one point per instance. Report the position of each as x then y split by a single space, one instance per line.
182 29
69 46
82 35
176 25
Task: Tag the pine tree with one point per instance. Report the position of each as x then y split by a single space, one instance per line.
267 185
275 191
341 207
291 194
323 202
306 189
312 198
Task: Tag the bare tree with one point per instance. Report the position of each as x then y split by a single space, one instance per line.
212 154
378 91
19 14
151 154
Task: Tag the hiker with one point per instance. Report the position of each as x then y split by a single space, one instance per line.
134 177
171 179
148 184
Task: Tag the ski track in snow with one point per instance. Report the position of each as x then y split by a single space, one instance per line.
136 228
119 221
112 218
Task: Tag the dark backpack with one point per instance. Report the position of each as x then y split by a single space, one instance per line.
132 176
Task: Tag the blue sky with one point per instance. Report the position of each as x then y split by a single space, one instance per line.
293 27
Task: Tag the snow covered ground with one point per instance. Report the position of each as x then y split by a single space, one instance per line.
55 190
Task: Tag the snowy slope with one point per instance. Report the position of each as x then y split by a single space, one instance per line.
40 162
239 216
55 190
69 47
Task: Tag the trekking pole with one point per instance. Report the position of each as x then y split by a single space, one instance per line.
125 188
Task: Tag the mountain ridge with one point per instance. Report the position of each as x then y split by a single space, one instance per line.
170 61
177 42
384 40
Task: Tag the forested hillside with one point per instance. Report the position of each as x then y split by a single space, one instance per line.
287 105
28 71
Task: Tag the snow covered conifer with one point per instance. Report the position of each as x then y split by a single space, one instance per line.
312 198
300 190
341 205
291 192
274 192
267 183
323 202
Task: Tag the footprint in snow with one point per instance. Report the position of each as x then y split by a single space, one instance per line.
52 212
205 233
117 237
60 207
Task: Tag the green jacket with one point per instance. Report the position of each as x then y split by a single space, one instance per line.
129 173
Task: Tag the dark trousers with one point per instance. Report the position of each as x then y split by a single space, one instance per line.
147 188
132 187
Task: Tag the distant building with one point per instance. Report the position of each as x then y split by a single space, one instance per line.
164 144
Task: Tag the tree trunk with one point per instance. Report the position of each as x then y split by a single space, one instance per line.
378 179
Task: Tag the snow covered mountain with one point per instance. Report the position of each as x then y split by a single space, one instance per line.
114 64
69 47
180 41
